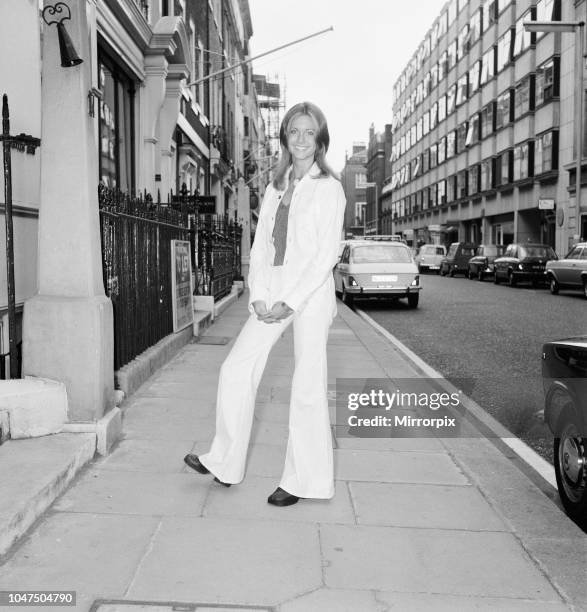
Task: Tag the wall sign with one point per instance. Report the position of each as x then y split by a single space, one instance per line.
181 284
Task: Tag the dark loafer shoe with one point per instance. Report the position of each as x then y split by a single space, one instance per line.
224 484
279 497
193 462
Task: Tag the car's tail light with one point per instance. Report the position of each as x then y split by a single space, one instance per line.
416 281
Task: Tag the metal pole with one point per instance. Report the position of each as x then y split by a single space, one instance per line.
248 61
6 144
579 44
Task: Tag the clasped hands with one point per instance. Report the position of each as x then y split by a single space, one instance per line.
278 312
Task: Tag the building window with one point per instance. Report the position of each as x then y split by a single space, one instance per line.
425 161
425 123
504 168
452 11
504 109
433 115
462 89
547 81
433 76
473 132
419 126
441 108
360 180
546 152
504 50
451 188
432 192
474 75
442 150
524 96
462 184
548 10
116 126
433 155
522 38
451 138
489 13
452 54
487 174
487 119
487 66
523 166
451 96
475 27
463 42
441 192
474 179
442 66
462 131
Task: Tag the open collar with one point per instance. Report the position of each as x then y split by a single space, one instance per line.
313 172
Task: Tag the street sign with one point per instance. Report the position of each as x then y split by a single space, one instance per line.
546 204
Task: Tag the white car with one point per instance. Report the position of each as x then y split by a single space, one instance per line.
377 269
429 257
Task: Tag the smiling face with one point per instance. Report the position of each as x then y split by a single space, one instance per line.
301 138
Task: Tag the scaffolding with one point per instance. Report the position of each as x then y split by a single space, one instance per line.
271 96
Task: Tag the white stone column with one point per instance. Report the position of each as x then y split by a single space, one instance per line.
167 123
153 95
68 324
244 217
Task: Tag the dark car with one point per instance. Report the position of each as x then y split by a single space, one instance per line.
569 272
523 263
481 264
564 375
457 259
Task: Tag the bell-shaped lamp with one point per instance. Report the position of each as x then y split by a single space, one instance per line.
69 56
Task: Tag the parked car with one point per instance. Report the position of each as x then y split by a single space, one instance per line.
429 257
523 263
569 272
564 375
481 264
377 269
457 258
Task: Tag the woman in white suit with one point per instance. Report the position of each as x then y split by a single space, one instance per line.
290 281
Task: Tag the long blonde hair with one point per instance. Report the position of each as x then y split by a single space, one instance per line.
322 142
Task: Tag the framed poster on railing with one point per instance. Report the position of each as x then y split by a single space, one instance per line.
181 284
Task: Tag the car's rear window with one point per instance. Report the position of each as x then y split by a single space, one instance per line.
381 254
537 251
492 250
433 250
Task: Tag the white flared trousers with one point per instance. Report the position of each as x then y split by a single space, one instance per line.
308 470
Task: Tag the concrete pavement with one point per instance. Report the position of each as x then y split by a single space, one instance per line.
416 523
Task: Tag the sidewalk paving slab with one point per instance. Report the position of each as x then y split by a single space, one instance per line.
416 524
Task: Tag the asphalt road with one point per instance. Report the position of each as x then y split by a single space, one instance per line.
491 335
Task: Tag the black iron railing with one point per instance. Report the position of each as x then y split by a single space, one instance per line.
219 255
136 259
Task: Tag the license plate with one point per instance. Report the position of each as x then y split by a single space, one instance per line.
384 278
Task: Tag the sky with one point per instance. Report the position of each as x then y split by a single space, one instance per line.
349 72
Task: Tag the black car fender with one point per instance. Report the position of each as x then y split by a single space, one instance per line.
555 401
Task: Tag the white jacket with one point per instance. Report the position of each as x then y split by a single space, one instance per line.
314 233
